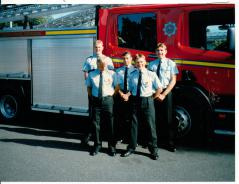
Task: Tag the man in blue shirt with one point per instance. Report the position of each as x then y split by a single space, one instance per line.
90 65
166 70
101 85
122 104
143 84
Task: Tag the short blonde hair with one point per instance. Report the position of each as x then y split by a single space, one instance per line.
139 56
127 53
161 45
97 42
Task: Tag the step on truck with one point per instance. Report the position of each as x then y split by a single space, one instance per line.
42 69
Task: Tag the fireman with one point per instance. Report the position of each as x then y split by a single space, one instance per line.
91 62
122 104
101 85
166 70
90 65
142 85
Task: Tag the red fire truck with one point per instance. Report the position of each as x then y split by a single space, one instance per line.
41 70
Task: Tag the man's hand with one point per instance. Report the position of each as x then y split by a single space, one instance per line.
160 97
125 97
89 90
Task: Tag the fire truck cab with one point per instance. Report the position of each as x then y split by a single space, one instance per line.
200 38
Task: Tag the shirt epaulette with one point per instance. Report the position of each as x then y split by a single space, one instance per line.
90 57
118 69
133 71
110 71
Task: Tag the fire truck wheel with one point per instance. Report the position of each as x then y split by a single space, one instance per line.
189 118
183 121
10 106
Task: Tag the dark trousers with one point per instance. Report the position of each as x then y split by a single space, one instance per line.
164 119
122 118
143 112
90 115
102 112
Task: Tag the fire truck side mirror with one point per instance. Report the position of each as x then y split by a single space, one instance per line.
231 39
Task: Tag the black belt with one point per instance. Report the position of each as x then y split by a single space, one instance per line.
125 92
95 69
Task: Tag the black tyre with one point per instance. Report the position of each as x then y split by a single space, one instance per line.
10 106
183 121
191 118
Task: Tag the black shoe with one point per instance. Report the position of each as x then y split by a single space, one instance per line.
112 151
127 153
119 141
96 150
171 147
125 141
154 156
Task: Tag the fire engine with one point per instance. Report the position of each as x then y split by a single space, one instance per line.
42 69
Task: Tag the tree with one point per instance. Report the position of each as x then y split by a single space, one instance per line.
38 21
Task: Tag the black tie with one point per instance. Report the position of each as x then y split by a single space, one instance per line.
139 84
100 85
125 79
158 68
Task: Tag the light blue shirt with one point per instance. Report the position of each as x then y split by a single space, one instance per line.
149 83
91 63
108 85
120 75
167 69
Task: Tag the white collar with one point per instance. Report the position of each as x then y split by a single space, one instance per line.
163 60
129 66
143 70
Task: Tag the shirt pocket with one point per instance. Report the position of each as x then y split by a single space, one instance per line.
146 82
167 72
154 68
108 80
92 67
133 83
121 77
